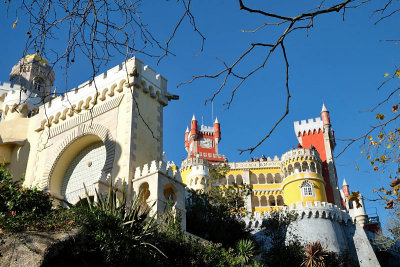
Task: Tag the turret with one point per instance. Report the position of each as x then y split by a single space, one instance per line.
217 131
186 138
345 188
35 75
325 115
193 126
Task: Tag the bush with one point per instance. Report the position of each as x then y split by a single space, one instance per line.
20 207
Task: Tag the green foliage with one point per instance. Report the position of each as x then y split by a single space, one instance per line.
282 252
216 214
20 207
187 250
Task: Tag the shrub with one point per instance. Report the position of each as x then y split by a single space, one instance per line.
20 207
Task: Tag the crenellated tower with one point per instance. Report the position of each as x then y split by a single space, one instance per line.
318 134
202 142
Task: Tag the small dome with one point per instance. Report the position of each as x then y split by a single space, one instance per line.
36 57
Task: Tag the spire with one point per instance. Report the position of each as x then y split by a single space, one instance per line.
344 182
323 108
187 129
194 118
216 120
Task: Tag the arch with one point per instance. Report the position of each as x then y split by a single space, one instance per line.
285 172
263 201
270 178
222 180
278 178
170 193
253 179
256 224
231 179
279 200
203 181
254 201
191 182
82 137
271 200
196 180
297 167
290 169
239 179
312 167
261 178
304 167
144 194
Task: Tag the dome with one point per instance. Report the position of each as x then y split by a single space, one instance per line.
36 57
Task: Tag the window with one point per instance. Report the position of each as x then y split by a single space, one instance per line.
307 189
38 85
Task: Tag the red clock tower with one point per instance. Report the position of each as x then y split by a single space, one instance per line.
203 141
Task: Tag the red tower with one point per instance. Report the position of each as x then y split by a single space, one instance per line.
203 142
319 134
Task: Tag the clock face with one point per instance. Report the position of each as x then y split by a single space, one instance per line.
206 143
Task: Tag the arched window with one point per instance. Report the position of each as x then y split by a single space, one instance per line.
270 179
271 200
261 179
231 179
38 84
304 166
297 168
307 188
279 200
222 181
253 179
278 178
254 201
203 181
290 169
263 201
312 167
239 179
169 192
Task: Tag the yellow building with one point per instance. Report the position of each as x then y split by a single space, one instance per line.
299 175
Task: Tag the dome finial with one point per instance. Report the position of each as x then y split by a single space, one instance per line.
193 118
216 120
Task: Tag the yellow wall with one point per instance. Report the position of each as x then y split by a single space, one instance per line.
292 190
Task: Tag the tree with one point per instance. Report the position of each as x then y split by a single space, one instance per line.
217 214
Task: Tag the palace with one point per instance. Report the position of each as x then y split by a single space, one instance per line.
109 132
303 180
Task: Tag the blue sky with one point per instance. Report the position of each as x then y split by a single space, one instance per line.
340 63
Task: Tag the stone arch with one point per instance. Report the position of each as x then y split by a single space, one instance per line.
279 200
231 179
278 178
270 178
253 179
254 201
82 137
263 201
261 178
271 200
239 179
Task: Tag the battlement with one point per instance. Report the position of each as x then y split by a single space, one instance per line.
323 210
275 163
207 130
189 162
5 86
300 154
306 126
14 99
157 166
